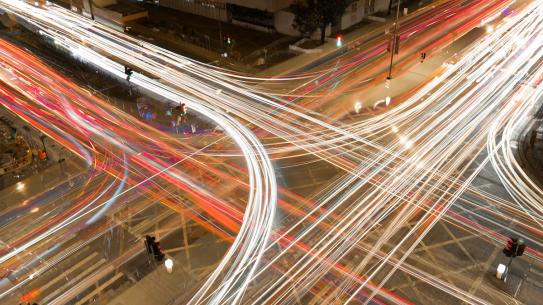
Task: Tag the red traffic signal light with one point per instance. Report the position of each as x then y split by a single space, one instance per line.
509 245
509 248
227 39
181 109
153 248
514 247
339 41
157 251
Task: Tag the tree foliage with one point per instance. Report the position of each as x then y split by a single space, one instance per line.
311 15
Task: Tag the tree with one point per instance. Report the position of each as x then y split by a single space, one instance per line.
311 15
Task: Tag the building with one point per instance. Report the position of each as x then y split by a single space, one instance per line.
108 12
267 15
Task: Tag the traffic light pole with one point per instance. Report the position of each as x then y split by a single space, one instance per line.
393 46
221 38
508 268
514 247
510 261
91 9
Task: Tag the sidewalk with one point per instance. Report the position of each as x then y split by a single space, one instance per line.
414 77
161 288
38 183
531 153
353 39
524 282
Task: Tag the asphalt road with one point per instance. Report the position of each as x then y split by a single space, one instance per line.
409 217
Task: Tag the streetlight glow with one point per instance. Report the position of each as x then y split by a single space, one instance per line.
20 186
168 263
358 106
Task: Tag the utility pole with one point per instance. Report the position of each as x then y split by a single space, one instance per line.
91 11
394 47
220 36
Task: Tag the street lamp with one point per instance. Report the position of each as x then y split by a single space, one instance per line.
387 100
357 106
169 265
406 142
20 186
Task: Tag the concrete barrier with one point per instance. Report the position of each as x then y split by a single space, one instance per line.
377 19
296 48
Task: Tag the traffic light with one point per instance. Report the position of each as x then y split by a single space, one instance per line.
511 248
153 248
148 241
183 109
157 252
128 71
520 248
227 40
339 41
180 110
